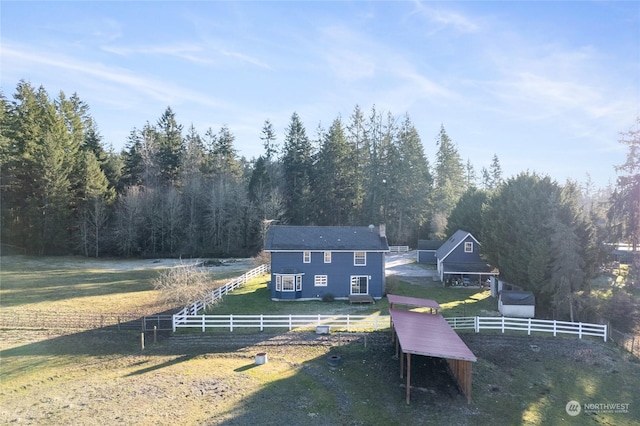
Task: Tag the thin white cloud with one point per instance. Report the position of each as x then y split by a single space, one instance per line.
192 52
163 91
189 52
445 18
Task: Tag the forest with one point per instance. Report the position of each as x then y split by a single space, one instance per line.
177 192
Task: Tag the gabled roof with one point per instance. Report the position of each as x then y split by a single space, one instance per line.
454 241
336 238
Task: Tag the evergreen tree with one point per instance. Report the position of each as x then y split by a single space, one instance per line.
357 137
470 175
268 138
170 146
467 214
449 183
533 232
413 186
224 157
297 163
333 183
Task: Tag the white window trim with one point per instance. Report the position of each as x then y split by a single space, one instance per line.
306 257
470 245
327 257
297 282
358 277
355 258
321 281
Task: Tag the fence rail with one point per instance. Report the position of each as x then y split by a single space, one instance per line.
398 249
380 322
261 322
53 320
530 325
218 293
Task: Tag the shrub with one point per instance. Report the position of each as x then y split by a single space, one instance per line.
183 284
328 297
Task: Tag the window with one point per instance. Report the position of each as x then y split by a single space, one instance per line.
288 282
360 258
320 281
468 247
278 282
306 257
359 284
327 257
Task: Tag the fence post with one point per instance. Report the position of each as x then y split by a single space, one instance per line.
231 323
477 323
261 322
555 329
290 325
580 330
503 325
318 319
605 333
529 328
203 327
173 322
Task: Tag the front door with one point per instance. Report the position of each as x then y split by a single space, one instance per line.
359 284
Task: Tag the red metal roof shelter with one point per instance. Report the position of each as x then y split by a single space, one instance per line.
430 335
412 301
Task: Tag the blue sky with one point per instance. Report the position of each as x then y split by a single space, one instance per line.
547 86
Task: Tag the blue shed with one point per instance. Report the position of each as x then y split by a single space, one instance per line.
313 262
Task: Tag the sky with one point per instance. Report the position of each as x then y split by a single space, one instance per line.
546 86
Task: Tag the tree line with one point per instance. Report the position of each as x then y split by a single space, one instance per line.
177 192
173 191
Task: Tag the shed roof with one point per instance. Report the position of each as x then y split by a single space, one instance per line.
296 238
511 297
429 244
429 335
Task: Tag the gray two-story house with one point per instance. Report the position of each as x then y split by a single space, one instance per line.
313 262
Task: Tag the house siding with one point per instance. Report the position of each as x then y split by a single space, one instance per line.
338 272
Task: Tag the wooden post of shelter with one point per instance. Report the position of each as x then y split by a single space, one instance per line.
408 377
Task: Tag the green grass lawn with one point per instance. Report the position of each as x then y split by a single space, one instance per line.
254 298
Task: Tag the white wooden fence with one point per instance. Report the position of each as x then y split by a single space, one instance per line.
219 292
232 322
381 322
398 249
529 325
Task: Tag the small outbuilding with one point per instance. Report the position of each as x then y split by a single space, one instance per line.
426 251
520 304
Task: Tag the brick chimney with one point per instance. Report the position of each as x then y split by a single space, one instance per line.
382 230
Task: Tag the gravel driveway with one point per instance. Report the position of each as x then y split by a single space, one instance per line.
405 265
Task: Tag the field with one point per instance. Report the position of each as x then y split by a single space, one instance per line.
104 377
